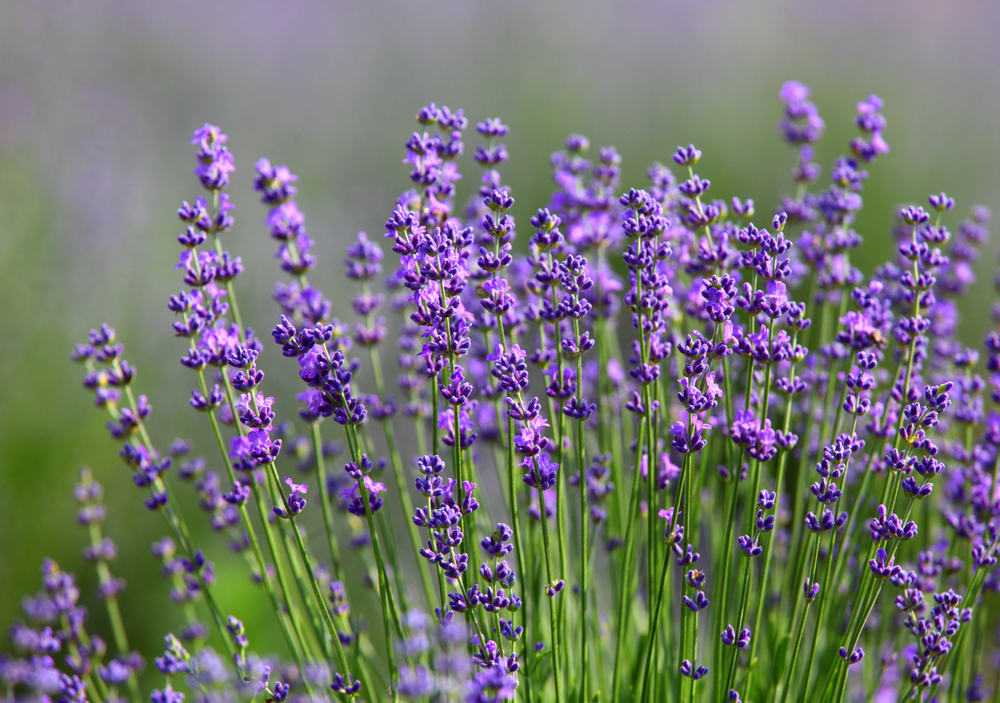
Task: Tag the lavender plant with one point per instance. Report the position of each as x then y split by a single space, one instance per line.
655 452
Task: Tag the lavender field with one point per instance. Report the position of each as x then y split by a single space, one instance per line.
339 364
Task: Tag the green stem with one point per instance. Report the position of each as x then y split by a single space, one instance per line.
626 567
324 492
651 636
514 510
172 515
397 469
584 524
562 518
295 644
556 674
768 551
110 600
790 669
314 582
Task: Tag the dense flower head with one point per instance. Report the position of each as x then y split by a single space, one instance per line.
871 123
215 161
274 182
801 123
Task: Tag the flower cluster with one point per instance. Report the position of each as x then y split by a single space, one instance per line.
802 436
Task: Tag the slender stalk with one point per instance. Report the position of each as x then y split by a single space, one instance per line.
768 548
562 519
747 576
513 503
626 570
397 465
170 512
320 648
657 608
298 644
731 678
324 491
293 635
314 582
823 599
556 674
786 683
735 478
110 599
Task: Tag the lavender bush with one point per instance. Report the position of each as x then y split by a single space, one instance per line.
653 453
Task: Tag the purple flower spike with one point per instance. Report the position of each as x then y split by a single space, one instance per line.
239 494
356 505
492 128
801 123
687 669
698 603
872 123
883 565
853 657
296 502
687 156
348 686
748 545
541 471
684 558
497 544
166 695
941 202
810 589
498 298
216 163
729 636
280 691
695 578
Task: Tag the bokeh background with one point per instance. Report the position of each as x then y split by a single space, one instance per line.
98 101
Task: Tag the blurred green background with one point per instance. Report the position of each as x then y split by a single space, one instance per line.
98 101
